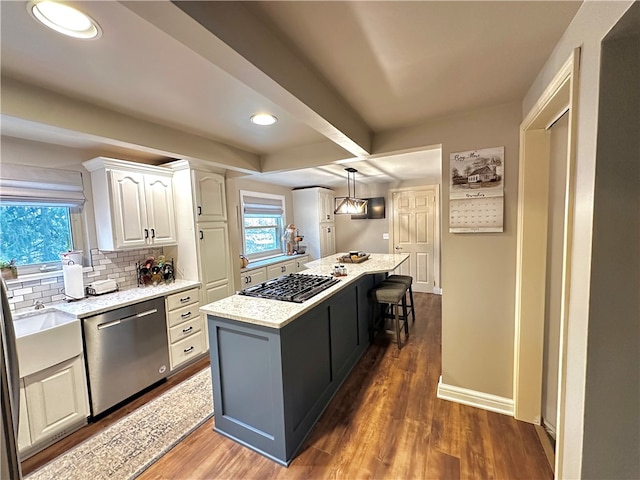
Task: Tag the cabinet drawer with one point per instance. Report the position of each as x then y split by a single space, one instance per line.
182 314
186 349
185 329
183 298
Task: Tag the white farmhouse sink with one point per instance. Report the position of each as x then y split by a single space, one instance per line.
45 338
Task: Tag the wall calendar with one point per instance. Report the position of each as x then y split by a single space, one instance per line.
476 198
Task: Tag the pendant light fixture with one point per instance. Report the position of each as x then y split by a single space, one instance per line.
349 204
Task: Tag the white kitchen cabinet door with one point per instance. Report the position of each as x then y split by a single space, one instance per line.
56 399
133 204
210 200
300 261
327 240
253 277
129 209
279 269
325 203
160 210
213 248
24 437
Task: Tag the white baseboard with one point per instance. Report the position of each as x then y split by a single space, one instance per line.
437 291
473 398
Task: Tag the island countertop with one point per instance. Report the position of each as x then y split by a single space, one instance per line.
277 314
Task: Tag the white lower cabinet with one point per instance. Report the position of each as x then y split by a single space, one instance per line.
300 261
259 275
283 268
24 437
253 277
185 327
56 401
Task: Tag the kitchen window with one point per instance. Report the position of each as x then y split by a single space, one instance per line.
40 216
262 224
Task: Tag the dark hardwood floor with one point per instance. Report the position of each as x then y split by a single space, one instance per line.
384 423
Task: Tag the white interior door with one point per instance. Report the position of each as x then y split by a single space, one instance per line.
414 232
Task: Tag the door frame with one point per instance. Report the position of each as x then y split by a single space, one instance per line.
436 227
559 97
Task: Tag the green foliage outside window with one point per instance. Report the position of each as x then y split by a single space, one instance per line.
34 234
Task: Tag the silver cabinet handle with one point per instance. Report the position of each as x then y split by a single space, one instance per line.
185 315
185 299
188 350
187 330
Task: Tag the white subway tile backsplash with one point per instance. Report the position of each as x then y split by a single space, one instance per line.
120 266
23 291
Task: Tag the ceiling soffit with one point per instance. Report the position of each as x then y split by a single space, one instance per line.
245 47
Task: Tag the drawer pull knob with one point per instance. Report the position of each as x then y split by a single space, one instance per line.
188 350
185 299
185 315
187 330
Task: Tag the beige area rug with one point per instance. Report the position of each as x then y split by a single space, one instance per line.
131 445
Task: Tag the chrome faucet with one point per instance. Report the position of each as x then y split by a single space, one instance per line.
39 305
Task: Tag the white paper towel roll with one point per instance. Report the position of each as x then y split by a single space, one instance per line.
72 276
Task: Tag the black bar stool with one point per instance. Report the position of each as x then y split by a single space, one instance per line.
390 295
406 280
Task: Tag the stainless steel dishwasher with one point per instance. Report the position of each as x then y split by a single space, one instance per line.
126 351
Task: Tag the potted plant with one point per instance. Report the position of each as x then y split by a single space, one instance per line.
8 269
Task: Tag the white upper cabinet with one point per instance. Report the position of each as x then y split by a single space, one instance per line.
210 201
133 204
325 204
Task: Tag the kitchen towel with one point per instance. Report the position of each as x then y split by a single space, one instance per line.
72 276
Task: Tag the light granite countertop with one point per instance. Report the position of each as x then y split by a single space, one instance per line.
95 305
277 314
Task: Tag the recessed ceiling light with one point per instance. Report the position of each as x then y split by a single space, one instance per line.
263 119
64 19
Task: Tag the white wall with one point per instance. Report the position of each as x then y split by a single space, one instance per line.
588 28
233 187
478 270
23 152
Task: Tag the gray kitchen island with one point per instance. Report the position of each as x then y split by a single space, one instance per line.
276 365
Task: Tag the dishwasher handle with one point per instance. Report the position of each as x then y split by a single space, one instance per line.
126 319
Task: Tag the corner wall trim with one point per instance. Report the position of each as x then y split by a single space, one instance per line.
473 398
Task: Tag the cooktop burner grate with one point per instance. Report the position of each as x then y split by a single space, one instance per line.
294 287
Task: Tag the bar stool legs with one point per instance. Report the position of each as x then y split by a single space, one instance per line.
391 296
407 281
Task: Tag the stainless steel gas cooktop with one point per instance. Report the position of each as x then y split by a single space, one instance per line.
295 287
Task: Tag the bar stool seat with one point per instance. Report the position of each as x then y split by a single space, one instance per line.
390 295
407 281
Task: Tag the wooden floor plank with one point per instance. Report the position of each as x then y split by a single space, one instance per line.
384 423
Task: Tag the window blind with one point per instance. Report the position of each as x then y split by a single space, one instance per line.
22 184
262 205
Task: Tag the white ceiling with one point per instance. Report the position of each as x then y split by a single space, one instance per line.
342 71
